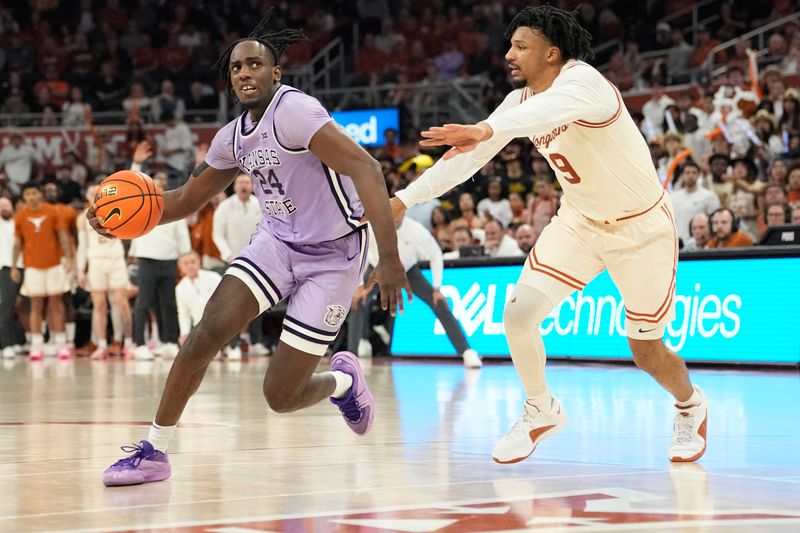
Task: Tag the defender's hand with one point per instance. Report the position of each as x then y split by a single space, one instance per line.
463 138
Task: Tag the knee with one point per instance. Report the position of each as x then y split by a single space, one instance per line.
517 319
279 400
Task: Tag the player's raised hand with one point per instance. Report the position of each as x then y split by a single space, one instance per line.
391 278
463 138
96 222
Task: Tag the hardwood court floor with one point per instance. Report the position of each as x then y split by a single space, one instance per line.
426 465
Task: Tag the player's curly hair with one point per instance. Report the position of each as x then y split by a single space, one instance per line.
274 41
560 27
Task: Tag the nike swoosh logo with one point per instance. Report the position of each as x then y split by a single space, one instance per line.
114 212
351 258
646 330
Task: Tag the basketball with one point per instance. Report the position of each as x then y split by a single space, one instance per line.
128 204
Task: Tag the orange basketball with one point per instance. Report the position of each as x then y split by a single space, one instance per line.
128 204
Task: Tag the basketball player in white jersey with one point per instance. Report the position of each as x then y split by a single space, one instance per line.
614 215
103 272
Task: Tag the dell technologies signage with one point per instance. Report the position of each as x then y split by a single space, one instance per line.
366 126
734 310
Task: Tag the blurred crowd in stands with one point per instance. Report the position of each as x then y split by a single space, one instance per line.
726 146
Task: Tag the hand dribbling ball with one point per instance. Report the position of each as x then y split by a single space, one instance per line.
128 204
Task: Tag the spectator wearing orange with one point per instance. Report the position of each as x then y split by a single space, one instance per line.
203 235
705 43
41 236
725 230
793 185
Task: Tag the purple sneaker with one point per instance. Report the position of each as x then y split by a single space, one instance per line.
358 407
145 465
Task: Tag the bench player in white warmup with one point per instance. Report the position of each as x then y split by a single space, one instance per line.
614 215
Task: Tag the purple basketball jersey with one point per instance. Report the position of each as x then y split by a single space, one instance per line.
303 200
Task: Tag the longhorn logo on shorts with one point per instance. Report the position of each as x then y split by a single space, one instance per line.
335 315
115 212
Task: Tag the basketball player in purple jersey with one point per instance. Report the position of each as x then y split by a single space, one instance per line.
314 183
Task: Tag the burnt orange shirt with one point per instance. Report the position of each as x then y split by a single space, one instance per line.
70 218
736 240
39 233
207 246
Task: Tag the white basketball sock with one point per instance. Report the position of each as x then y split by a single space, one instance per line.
160 435
37 342
343 383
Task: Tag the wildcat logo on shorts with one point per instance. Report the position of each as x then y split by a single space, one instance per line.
335 315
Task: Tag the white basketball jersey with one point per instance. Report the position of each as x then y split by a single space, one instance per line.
99 247
580 124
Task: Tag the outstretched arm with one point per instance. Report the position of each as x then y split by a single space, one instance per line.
206 182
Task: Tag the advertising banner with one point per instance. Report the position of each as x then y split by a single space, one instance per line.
733 310
366 126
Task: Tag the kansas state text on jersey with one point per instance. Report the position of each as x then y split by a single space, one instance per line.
303 200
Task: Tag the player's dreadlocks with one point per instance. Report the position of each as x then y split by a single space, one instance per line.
559 26
274 41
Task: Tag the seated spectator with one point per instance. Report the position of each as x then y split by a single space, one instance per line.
619 73
137 102
699 233
75 111
108 87
795 215
525 238
495 207
440 228
193 292
775 214
519 213
467 217
778 172
167 101
516 178
59 89
201 98
145 57
543 206
691 199
705 43
17 108
498 243
462 239
450 62
793 185
725 230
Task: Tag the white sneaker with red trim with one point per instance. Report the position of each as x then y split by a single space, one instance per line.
534 425
689 431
